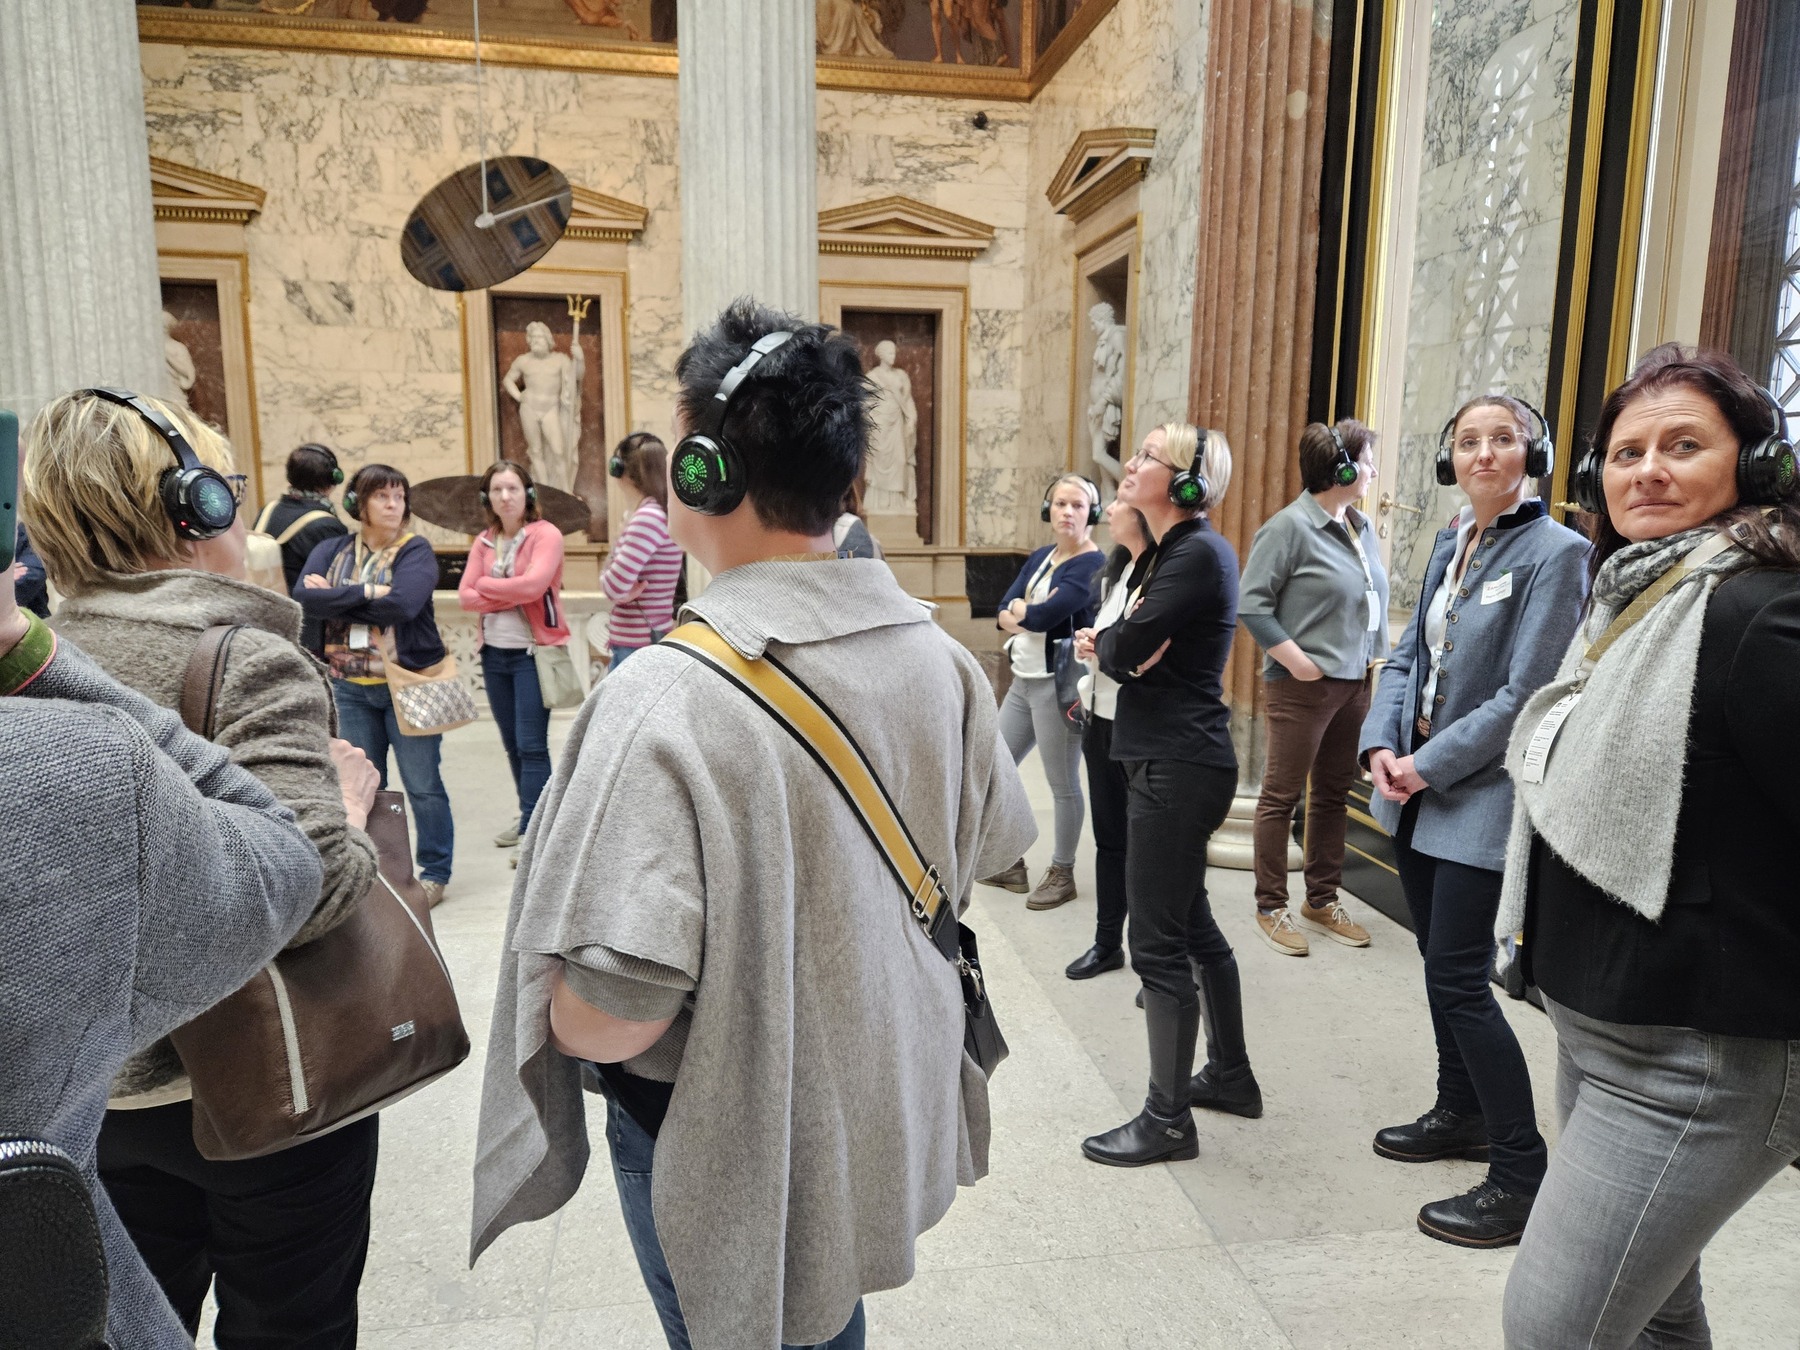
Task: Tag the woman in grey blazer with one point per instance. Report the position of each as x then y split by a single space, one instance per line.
1501 599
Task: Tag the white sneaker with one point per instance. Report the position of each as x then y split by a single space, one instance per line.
509 837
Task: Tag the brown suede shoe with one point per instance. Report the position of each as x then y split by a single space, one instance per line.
1057 888
1277 928
1014 878
1334 922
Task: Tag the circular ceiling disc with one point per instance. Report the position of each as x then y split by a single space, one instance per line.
442 245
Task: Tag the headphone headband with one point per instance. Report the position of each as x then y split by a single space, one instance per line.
1540 450
1093 495
707 473
199 502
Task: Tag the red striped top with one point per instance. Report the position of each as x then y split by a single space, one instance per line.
640 579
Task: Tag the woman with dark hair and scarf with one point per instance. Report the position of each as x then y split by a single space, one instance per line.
1649 862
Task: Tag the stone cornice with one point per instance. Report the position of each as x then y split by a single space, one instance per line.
179 192
1099 166
899 227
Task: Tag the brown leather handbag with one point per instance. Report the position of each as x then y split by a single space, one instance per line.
335 1030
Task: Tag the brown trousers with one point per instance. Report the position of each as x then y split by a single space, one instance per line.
1314 726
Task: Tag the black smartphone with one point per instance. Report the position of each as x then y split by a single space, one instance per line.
9 489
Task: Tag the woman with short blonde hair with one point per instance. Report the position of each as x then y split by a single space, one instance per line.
150 555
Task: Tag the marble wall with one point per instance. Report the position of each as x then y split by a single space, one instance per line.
347 347
1493 152
1143 66
879 145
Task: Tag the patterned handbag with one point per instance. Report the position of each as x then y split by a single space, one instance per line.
430 701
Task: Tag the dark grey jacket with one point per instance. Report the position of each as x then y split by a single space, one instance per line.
142 879
1497 655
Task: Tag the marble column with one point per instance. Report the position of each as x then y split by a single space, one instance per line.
1267 67
749 196
78 286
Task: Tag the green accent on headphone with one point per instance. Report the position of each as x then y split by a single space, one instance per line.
692 473
1785 474
1187 493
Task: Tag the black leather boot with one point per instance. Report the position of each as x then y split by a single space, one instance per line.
1164 1130
1439 1133
1488 1216
1225 1082
1095 961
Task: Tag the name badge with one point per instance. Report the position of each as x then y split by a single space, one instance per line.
1497 589
1537 753
359 636
1373 602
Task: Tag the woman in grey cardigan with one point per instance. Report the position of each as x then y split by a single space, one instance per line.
204 876
1502 595
141 592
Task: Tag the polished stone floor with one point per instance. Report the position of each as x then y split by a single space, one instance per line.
1287 1232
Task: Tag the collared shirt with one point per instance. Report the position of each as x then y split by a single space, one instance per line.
1319 583
1437 621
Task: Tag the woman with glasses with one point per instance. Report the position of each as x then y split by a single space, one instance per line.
1501 597
1172 735
141 591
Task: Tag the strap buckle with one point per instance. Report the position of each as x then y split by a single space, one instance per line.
930 887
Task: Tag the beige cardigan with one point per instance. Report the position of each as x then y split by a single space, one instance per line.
274 717
689 854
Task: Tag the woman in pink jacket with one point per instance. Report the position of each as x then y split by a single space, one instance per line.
514 581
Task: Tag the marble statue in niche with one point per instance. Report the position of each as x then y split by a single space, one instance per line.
180 361
550 349
545 385
1106 394
892 468
849 28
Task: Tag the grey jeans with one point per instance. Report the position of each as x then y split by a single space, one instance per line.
1666 1132
1029 716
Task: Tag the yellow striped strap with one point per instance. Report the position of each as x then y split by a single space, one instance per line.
813 725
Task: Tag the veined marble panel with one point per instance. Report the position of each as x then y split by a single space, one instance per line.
1143 66
876 145
1494 150
347 347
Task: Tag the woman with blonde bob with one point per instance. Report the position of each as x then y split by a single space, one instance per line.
1172 734
141 591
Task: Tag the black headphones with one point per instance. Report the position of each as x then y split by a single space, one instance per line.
1766 471
530 488
1188 487
200 503
707 472
337 473
1093 491
615 467
1344 472
1540 451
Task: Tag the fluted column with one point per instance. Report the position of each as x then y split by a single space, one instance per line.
1268 62
749 196
79 299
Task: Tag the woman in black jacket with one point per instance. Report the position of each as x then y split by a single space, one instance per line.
1171 731
1650 859
372 591
1051 598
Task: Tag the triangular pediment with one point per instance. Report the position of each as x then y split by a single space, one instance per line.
902 227
180 192
1099 166
594 215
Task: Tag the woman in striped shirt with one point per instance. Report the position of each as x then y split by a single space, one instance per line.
642 571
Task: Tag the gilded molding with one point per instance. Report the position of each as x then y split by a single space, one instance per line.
900 227
603 219
181 192
1099 166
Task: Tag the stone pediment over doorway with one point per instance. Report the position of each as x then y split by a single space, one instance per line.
1099 166
178 192
596 216
899 227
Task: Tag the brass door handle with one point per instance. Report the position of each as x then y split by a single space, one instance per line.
1389 503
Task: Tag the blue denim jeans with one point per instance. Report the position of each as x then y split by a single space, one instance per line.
620 653
524 722
633 1153
366 719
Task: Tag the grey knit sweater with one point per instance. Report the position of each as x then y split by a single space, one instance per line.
142 878
275 717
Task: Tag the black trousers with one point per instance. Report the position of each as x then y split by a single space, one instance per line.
1107 795
1173 807
285 1236
1481 1070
